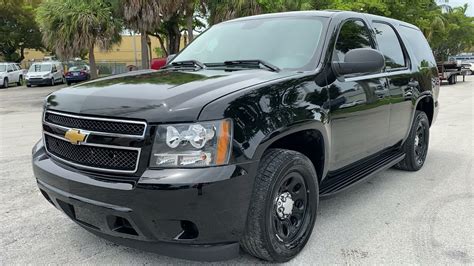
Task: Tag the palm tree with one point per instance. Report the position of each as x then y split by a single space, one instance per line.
142 16
70 27
228 9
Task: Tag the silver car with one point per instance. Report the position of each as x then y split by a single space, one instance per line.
10 73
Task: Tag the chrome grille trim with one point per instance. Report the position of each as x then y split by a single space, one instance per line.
94 145
99 119
97 133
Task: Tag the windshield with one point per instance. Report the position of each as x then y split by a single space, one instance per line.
40 68
3 68
77 68
288 43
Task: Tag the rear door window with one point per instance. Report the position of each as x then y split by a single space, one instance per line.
418 43
389 45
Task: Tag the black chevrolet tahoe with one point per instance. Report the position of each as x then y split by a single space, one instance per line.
234 142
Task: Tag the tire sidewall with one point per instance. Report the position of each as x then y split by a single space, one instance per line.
303 166
420 117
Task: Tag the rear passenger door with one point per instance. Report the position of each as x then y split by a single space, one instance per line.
11 73
400 79
359 103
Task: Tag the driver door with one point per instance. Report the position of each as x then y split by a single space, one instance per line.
360 103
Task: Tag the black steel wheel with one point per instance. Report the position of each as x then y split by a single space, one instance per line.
421 142
283 206
290 216
416 145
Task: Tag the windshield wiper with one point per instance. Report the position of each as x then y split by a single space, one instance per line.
253 62
186 64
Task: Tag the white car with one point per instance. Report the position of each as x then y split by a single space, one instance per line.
469 66
10 73
45 73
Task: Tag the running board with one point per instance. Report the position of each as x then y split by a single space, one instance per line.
342 180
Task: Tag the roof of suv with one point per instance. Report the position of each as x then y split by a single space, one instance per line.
319 13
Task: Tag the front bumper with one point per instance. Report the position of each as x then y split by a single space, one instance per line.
38 81
197 214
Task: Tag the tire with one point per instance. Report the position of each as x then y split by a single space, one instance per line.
451 80
281 172
52 82
28 85
5 83
20 81
416 145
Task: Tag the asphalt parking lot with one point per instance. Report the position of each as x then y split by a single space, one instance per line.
423 217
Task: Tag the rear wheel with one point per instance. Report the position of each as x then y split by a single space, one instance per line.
20 81
283 207
416 145
451 80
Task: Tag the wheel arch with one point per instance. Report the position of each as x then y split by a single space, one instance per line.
427 105
310 139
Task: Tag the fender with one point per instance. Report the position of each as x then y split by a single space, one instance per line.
423 95
266 113
318 126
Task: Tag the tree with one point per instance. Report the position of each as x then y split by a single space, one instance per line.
456 36
17 30
142 16
70 26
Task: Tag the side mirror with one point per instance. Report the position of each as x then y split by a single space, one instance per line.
169 58
361 60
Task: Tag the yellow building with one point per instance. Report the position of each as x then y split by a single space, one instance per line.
128 52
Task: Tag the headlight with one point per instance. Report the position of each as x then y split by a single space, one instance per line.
192 145
46 75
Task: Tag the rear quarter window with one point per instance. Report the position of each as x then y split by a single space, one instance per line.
415 39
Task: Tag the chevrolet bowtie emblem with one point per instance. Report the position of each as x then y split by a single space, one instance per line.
75 136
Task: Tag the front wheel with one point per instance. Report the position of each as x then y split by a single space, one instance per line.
20 81
416 145
5 83
52 82
283 207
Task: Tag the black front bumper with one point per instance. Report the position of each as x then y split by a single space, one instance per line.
197 214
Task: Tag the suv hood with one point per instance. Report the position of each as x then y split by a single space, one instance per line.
156 96
37 74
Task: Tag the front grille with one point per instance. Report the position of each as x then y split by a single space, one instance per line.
98 125
93 156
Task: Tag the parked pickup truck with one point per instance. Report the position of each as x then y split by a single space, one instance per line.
235 140
10 73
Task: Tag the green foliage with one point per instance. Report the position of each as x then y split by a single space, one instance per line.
17 30
457 34
69 27
448 33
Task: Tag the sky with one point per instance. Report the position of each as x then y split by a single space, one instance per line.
470 9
